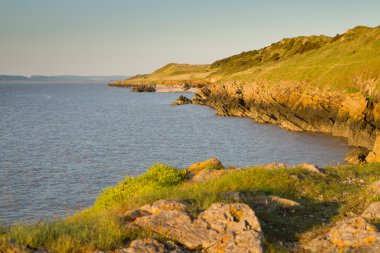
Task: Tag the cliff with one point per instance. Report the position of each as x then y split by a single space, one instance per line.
315 83
298 108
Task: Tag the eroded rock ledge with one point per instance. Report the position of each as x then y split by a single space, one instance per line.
221 228
296 108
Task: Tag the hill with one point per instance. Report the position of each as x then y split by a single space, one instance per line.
348 61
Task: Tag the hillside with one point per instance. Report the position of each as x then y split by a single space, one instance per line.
348 61
172 74
317 83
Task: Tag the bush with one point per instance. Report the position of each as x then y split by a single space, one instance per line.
158 177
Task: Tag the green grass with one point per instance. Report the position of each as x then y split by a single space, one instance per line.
324 200
347 62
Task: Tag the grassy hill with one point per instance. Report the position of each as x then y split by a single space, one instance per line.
349 61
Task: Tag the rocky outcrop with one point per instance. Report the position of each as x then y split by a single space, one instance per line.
352 235
374 155
220 228
144 88
374 189
210 168
210 164
355 234
298 108
356 156
182 100
274 166
310 167
149 245
372 212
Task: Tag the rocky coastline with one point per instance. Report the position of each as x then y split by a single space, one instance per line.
298 108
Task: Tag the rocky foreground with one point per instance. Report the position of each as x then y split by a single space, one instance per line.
211 208
234 227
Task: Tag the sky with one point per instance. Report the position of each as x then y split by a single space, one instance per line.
128 37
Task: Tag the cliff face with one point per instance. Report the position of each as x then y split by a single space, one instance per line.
315 83
298 109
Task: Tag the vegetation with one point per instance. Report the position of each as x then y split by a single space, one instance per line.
325 199
350 61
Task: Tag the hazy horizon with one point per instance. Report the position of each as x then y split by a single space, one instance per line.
99 38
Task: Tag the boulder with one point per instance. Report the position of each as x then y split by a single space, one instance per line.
210 164
207 174
144 246
356 156
260 199
274 166
275 200
374 188
164 205
207 169
310 167
374 155
372 212
149 245
220 228
351 235
144 88
182 100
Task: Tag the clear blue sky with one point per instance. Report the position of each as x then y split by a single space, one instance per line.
103 37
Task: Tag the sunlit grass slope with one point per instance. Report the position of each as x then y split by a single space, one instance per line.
346 61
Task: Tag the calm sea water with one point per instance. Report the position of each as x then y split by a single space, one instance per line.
62 143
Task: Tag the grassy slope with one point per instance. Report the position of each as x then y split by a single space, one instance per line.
343 62
174 72
325 200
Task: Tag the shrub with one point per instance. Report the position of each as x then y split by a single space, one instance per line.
158 177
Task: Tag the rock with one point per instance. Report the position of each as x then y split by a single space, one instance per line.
374 155
144 88
237 226
149 245
220 228
164 205
144 246
297 106
133 214
274 166
182 100
275 200
372 212
235 196
356 156
255 197
352 235
207 169
374 188
207 174
210 164
310 167
186 86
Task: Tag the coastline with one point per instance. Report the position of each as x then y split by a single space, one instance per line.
298 108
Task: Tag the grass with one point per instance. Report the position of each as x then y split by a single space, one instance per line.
348 62
324 200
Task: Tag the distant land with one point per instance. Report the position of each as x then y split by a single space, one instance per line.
61 78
